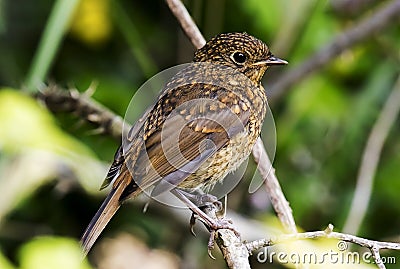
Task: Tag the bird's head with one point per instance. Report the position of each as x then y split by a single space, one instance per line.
240 51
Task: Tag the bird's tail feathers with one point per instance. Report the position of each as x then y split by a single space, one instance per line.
102 217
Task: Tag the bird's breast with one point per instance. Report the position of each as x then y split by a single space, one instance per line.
239 147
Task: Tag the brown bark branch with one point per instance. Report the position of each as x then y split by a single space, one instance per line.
278 200
186 22
71 101
234 251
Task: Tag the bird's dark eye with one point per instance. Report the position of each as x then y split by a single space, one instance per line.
239 57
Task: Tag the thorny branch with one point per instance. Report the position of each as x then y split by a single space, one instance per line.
71 101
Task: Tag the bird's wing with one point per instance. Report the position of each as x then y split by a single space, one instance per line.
188 137
114 169
135 140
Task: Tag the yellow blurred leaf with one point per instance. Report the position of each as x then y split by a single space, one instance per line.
4 263
34 150
52 252
25 125
92 23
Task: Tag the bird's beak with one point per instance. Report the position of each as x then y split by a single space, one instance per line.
272 60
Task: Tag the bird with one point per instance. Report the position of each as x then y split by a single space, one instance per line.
202 126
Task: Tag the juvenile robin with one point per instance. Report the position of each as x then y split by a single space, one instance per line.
202 126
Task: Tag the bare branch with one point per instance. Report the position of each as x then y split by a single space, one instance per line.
377 258
233 249
185 20
60 100
368 26
370 160
372 245
278 200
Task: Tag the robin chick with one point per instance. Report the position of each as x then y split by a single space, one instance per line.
202 126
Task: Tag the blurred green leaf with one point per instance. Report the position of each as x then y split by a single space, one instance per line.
318 97
4 263
317 102
388 178
34 150
133 38
56 27
367 102
26 125
52 252
267 14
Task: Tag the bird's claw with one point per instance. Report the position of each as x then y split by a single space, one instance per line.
192 223
211 244
223 224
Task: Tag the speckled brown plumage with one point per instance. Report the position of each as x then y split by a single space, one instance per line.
219 98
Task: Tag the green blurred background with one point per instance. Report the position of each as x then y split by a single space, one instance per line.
51 165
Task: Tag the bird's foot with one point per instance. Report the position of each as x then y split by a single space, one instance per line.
210 204
212 224
213 228
207 214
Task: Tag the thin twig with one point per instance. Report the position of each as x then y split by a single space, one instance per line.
327 233
60 100
278 200
377 258
372 245
186 22
234 251
369 25
370 160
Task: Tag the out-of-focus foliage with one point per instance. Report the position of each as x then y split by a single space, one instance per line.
4 263
48 253
34 155
52 252
34 149
51 164
92 23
